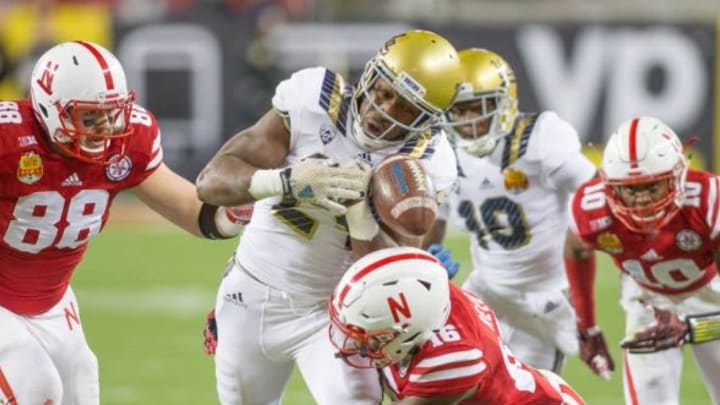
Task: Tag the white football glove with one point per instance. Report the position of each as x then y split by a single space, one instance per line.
316 180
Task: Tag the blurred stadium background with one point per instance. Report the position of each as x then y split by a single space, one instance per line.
208 68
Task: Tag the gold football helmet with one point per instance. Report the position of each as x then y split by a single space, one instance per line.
486 104
404 89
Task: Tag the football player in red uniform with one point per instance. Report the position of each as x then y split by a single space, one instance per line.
660 223
66 152
435 343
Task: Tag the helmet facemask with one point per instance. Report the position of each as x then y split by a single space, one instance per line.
93 130
491 110
376 349
379 89
485 107
80 97
648 218
641 155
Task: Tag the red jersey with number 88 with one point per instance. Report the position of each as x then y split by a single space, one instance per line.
677 259
52 205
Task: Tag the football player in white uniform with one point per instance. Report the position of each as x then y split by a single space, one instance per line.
516 173
307 164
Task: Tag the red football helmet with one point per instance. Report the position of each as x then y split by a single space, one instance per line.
79 94
644 150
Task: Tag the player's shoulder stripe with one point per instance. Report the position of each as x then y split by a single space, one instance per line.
517 142
421 145
156 152
449 374
713 208
448 366
444 359
333 99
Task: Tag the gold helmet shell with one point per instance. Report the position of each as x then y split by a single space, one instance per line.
430 63
423 68
486 76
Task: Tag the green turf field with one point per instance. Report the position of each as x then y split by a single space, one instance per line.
144 292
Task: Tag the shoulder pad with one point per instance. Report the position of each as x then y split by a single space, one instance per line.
515 145
315 89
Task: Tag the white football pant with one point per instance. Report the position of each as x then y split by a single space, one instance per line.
655 378
538 327
45 359
263 332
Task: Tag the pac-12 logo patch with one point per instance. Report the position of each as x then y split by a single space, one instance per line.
120 169
327 134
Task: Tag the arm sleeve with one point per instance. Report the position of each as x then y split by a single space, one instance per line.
581 278
563 164
712 200
145 152
294 95
448 373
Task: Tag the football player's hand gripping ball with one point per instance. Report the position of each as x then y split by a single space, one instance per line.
321 181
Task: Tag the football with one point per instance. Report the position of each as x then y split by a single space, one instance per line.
402 196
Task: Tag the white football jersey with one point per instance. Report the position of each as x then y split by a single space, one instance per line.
513 202
302 249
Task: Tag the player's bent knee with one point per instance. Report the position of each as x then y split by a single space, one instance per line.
85 385
41 385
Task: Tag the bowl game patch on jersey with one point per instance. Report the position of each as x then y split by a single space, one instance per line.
30 167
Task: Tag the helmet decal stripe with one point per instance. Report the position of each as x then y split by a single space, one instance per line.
632 143
380 263
109 82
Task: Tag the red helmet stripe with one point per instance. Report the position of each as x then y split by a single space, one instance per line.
380 263
633 143
109 82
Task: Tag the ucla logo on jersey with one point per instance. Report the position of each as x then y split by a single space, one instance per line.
120 169
516 180
327 133
688 240
30 167
609 242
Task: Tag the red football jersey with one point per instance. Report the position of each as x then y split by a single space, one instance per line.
51 205
468 351
677 258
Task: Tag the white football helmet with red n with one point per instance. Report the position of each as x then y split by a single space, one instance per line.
388 303
644 150
79 93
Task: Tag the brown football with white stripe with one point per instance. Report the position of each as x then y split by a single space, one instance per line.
403 196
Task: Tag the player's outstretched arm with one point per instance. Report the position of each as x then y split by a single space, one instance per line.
580 268
175 198
249 167
226 179
171 196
